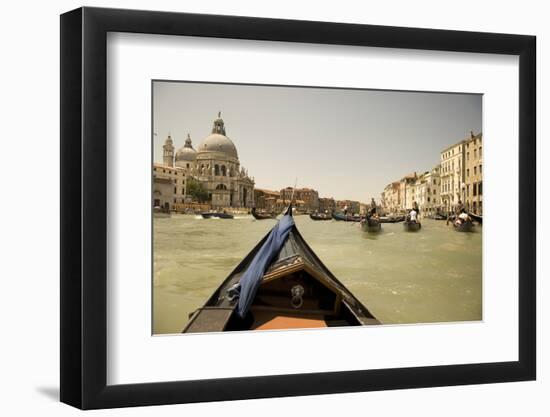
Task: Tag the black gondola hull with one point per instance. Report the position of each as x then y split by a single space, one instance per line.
262 216
211 215
371 226
464 227
345 218
412 226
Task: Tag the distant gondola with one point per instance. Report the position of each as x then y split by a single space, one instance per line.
476 217
412 226
464 227
323 216
346 217
262 216
211 214
439 216
280 284
371 226
392 219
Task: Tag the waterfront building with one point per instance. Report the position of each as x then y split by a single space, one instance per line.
473 191
176 177
452 176
327 204
266 199
407 191
215 165
385 198
427 192
163 195
309 197
354 207
391 197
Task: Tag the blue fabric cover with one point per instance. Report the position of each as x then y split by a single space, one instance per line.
252 277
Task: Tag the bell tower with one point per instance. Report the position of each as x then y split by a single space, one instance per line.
168 152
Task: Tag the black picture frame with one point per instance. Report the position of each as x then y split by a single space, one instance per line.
84 207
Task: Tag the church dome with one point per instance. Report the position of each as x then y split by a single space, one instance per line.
186 153
218 141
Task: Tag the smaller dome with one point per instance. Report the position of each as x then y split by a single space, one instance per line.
186 152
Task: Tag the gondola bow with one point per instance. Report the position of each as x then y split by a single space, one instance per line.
280 284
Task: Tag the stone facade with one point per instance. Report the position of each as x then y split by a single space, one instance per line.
354 207
327 205
427 192
407 191
176 177
473 193
308 198
266 200
452 176
391 198
457 178
163 195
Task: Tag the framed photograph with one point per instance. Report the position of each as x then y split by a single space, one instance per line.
257 208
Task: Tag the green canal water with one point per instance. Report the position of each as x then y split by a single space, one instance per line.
434 275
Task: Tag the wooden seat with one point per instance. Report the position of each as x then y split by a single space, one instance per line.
270 321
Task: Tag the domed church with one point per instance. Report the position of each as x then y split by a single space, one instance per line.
215 164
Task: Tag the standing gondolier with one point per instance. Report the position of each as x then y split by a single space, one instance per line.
372 203
459 208
415 208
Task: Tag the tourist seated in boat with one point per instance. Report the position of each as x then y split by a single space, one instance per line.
462 218
372 214
413 216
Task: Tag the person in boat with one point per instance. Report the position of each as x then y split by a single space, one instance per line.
345 210
462 218
459 208
372 203
413 216
371 215
415 207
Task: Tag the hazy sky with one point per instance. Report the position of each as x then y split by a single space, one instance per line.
347 144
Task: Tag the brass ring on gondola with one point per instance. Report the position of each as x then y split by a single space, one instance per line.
297 292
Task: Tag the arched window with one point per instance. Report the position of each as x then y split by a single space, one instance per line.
224 171
221 187
216 170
